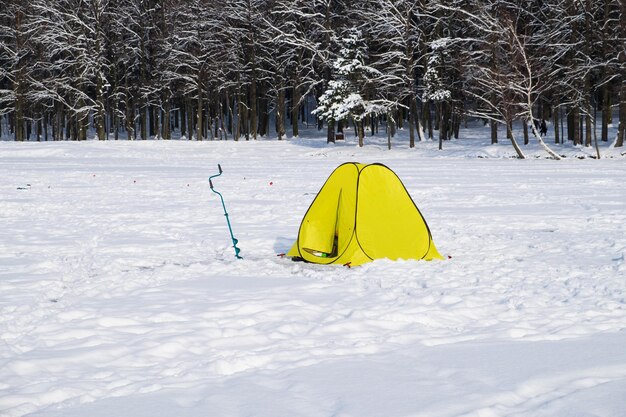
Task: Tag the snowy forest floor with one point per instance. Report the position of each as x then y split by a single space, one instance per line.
120 294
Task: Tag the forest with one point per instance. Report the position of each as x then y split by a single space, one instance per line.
226 70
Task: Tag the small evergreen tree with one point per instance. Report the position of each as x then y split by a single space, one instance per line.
343 98
434 87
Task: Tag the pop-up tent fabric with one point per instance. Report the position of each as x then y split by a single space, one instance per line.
363 212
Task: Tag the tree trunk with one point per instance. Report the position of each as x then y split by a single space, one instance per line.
39 128
456 125
19 119
190 123
83 126
231 116
595 139
427 118
19 124
588 130
621 130
183 119
413 121
555 122
606 111
100 115
166 119
143 120
69 127
509 127
199 113
588 33
58 123
239 114
217 104
253 112
439 112
154 122
525 126
389 128
116 120
518 150
575 126
82 121
330 133
570 124
223 116
295 108
360 132
263 116
45 126
588 112
280 115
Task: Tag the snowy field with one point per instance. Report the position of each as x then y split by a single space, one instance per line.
120 295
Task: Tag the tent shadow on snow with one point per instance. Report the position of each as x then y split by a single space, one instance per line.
362 212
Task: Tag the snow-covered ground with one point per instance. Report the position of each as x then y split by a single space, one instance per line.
120 294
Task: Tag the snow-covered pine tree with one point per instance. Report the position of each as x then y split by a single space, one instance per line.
435 89
343 98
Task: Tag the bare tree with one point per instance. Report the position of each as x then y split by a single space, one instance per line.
73 37
244 18
621 58
526 87
16 64
397 30
493 84
512 71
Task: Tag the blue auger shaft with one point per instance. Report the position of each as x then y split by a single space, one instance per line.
230 229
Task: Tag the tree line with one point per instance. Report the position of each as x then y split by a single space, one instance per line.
207 69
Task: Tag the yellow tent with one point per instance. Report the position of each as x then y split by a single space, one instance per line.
363 212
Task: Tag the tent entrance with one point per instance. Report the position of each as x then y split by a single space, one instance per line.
319 254
331 248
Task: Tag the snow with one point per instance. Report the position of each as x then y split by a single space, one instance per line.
120 294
